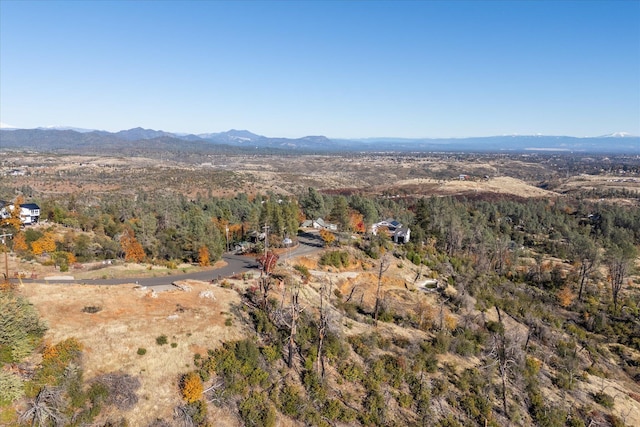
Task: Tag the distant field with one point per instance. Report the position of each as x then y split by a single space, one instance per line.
390 175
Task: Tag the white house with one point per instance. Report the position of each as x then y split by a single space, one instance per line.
402 235
398 232
319 224
29 212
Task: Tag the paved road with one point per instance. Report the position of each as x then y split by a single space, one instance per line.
309 243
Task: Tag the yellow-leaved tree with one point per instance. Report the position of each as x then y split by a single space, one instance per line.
566 296
20 243
46 243
133 250
191 387
327 236
203 256
13 219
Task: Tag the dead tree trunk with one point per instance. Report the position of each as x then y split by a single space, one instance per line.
295 312
384 266
322 328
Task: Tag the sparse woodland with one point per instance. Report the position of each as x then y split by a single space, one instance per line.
533 319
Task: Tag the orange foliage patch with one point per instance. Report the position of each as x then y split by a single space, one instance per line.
203 256
191 387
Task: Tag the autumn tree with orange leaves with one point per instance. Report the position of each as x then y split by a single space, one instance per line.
566 296
191 387
203 256
46 243
13 220
20 243
356 222
327 236
133 250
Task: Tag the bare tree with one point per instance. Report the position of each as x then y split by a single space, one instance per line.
289 318
183 416
385 262
619 262
500 254
122 389
44 410
323 321
505 354
267 263
586 253
454 236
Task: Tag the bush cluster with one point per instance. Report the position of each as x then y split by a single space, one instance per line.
336 259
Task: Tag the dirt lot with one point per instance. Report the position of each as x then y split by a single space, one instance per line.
131 318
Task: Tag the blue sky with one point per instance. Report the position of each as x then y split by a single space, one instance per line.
341 69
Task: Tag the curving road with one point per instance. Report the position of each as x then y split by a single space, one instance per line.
309 243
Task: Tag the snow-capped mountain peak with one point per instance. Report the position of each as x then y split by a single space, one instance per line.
62 127
618 135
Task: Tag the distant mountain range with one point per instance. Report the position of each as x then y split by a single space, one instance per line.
145 141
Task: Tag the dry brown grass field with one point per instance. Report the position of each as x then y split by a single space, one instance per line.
383 174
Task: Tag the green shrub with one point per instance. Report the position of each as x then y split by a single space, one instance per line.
332 409
11 387
335 348
304 271
395 368
351 372
448 421
20 328
564 381
375 409
574 421
194 413
441 342
364 344
263 324
314 385
257 410
271 353
141 351
162 340
239 364
258 377
603 399
336 259
98 393
290 401
404 400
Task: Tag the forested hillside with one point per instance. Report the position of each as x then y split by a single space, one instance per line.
500 310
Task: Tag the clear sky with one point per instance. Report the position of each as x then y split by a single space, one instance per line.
336 68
